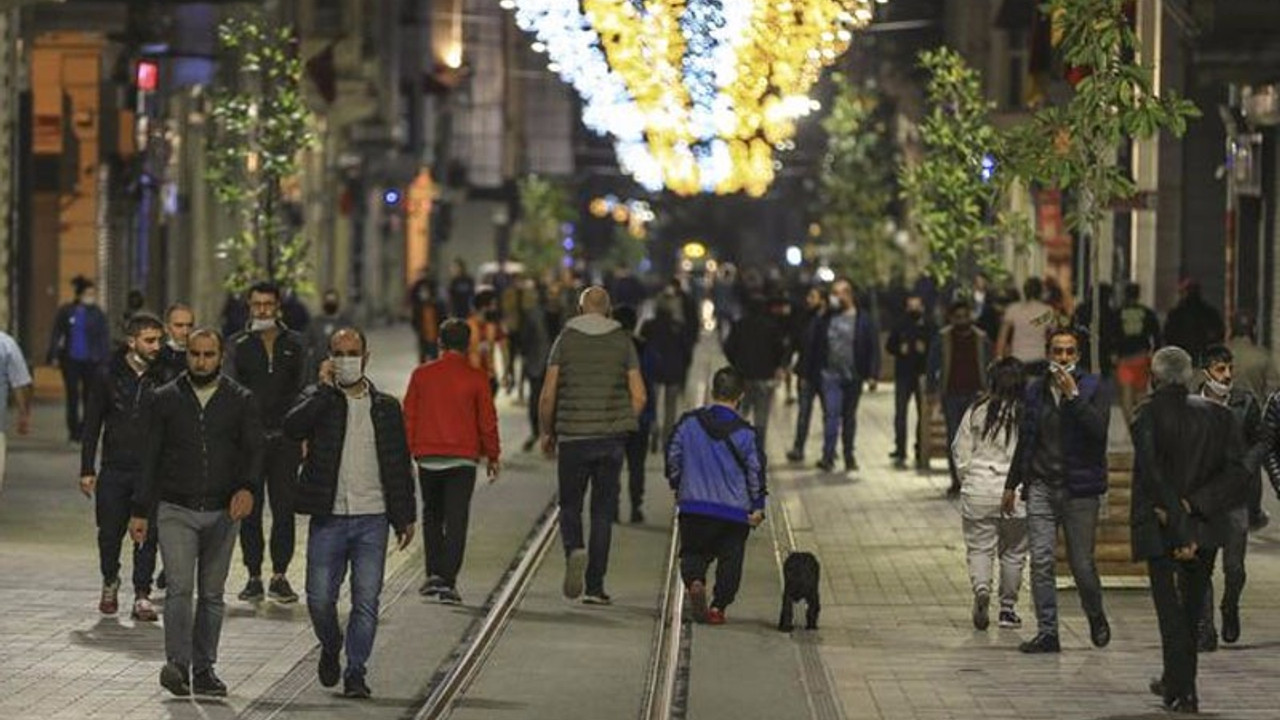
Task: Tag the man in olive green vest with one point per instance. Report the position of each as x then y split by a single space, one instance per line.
591 397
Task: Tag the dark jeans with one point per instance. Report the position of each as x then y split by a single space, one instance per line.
839 414
953 409
446 510
1048 508
596 463
112 508
637 450
76 376
196 547
905 388
703 539
1233 552
808 392
1177 588
335 543
280 461
535 392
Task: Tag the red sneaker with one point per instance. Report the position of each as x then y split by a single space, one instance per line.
715 616
109 602
698 601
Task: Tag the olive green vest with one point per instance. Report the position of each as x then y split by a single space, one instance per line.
593 399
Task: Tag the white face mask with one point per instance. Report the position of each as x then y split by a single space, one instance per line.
257 325
1216 387
1068 369
89 299
348 371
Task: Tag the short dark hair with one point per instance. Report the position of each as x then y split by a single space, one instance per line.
958 305
1032 289
483 298
727 385
626 317
364 341
140 321
265 287
1217 354
455 335
169 311
206 331
80 283
1062 330
1132 292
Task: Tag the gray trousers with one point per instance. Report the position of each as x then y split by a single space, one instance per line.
196 547
988 536
1048 508
672 399
1233 553
757 402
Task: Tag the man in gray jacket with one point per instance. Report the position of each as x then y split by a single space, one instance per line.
591 397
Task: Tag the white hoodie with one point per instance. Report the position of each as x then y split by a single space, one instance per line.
982 464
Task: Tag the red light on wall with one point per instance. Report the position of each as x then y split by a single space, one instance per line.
147 76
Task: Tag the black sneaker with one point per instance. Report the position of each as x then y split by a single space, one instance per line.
161 580
206 683
1040 644
637 517
1230 625
795 456
851 464
432 586
356 688
1259 521
826 465
898 455
981 610
175 680
280 591
1182 706
252 591
1100 631
330 667
1010 620
448 596
1156 686
599 597
1207 640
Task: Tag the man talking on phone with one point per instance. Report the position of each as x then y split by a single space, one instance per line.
1061 464
356 483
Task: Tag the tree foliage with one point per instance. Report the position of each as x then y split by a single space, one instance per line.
956 190
1072 146
857 184
259 126
545 207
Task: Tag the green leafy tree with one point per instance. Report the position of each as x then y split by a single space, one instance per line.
259 126
545 207
857 185
956 190
1073 146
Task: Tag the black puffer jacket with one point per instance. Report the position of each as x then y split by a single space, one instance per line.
320 418
171 363
114 410
276 379
207 453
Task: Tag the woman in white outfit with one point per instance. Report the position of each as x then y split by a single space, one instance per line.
983 451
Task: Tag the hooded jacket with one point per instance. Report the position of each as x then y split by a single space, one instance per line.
716 465
593 399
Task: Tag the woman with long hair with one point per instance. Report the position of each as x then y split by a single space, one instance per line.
983 449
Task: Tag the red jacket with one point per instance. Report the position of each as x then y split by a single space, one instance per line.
448 411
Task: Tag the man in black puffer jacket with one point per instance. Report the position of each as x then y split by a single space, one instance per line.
357 480
203 453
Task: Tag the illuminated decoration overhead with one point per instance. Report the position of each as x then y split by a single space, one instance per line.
697 94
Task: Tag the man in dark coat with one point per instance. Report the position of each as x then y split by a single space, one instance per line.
806 371
81 340
1193 324
908 343
846 348
1188 472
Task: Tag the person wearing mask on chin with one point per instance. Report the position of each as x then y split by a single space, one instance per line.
1232 533
356 484
81 341
271 360
1061 464
179 320
117 399
202 456
1188 474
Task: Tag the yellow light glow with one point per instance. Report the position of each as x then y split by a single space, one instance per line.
694 250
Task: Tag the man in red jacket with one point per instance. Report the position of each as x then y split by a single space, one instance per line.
451 423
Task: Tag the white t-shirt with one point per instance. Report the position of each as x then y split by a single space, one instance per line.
1031 321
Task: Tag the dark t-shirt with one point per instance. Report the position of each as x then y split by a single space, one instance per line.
965 376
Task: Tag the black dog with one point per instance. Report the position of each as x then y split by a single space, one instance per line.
801 573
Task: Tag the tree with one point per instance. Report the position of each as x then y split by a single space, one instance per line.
259 126
857 184
1072 146
956 190
539 232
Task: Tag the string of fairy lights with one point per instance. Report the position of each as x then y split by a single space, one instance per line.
698 95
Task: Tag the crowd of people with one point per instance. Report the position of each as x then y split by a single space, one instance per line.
186 434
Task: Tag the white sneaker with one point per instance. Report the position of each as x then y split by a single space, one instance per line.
575 567
144 610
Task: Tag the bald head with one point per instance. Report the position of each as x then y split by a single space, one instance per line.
594 301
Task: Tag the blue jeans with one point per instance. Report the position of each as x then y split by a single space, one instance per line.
334 543
597 463
839 414
808 392
1048 508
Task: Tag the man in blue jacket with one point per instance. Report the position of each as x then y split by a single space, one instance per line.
1062 463
716 466
844 353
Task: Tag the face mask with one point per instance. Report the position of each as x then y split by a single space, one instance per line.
203 380
348 371
88 299
257 325
176 346
1216 387
331 308
138 358
915 314
1068 369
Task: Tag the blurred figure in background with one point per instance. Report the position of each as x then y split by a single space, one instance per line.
908 344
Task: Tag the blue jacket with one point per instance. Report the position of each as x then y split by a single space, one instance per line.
708 475
866 348
1085 421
